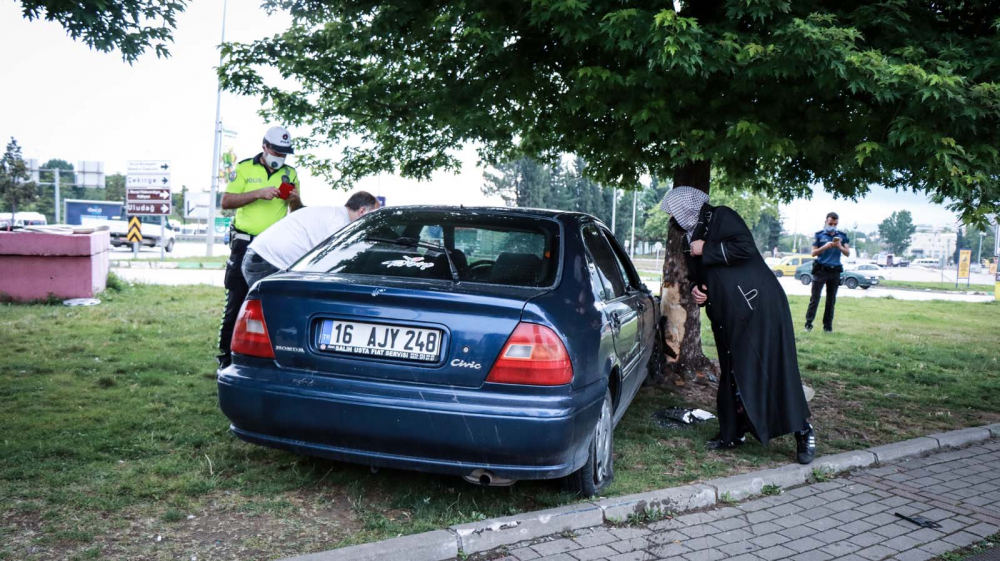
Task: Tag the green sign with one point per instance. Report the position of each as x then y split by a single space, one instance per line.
222 224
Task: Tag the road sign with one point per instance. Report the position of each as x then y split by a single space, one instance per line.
147 188
964 260
148 166
196 205
147 209
152 180
134 230
154 195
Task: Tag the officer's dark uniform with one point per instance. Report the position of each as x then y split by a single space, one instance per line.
250 221
826 272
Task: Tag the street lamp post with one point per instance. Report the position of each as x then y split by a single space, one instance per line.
217 146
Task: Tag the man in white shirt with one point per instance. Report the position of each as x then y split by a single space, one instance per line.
290 238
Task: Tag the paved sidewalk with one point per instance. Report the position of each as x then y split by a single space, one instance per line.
851 518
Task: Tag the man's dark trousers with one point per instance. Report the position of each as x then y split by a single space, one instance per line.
236 292
830 278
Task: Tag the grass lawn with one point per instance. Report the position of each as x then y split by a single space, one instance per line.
950 286
114 448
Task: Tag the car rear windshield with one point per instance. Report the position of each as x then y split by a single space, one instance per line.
484 247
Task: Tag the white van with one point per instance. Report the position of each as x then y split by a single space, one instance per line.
22 219
927 262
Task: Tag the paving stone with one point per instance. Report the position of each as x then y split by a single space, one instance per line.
983 530
768 540
925 535
747 557
669 536
808 502
738 548
592 553
849 516
556 546
834 495
724 513
839 549
698 531
804 544
831 536
730 523
902 543
633 544
760 516
705 555
703 543
776 552
816 513
824 524
893 530
695 518
669 550
938 547
811 556
765 528
560 557
866 539
791 521
937 514
525 554
785 509
913 555
857 527
876 552
873 508
797 532
962 539
735 536
630 556
595 538
841 505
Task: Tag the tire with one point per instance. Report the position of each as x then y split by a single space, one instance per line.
170 246
851 283
865 287
654 368
779 274
599 470
806 279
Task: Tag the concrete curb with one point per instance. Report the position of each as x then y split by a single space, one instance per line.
131 264
476 537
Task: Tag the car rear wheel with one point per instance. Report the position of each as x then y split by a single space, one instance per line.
170 246
779 274
806 279
598 472
851 283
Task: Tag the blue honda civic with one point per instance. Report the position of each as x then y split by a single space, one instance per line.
495 344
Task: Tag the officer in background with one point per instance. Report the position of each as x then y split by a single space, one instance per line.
829 245
260 201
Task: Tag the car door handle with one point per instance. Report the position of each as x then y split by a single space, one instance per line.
616 321
641 306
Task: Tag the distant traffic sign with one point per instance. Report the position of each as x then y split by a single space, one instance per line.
152 180
147 209
148 166
156 195
134 230
147 188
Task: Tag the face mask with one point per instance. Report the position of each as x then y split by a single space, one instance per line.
274 162
831 228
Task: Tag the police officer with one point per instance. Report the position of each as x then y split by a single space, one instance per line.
829 245
256 195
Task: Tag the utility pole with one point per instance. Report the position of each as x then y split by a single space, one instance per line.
631 246
217 147
981 236
614 210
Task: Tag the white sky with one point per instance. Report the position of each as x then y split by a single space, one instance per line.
62 100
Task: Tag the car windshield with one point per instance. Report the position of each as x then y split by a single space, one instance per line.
492 248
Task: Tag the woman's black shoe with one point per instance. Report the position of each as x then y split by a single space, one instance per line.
717 444
806 445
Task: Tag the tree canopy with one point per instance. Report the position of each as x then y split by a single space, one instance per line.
896 231
777 95
129 26
14 175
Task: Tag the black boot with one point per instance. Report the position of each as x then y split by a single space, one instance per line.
717 443
806 445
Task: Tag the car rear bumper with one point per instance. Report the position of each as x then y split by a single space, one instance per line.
417 427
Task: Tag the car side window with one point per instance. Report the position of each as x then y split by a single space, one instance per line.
795 261
630 278
606 264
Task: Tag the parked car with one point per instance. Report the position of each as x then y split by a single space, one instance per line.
850 279
153 234
790 264
493 344
871 269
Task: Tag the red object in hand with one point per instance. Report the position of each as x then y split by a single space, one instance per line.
284 190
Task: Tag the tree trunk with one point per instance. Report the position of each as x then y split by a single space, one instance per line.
13 211
682 337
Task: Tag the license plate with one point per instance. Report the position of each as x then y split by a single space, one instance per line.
874 281
377 340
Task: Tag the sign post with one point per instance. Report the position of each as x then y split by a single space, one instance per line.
147 193
134 234
964 263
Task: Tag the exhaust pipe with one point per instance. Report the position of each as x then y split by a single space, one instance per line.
486 478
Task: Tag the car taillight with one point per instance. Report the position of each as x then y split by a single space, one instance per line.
534 355
250 336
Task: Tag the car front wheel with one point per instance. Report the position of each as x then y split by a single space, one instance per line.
598 472
806 280
779 274
851 283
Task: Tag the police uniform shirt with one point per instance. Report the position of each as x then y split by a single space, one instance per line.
830 257
259 215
